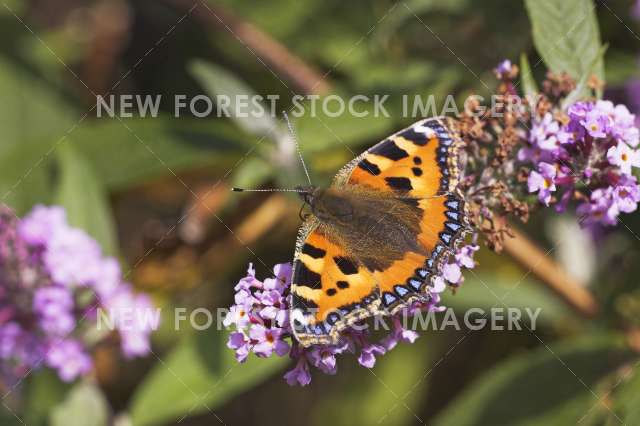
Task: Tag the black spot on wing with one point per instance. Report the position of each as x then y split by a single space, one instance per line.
390 150
313 251
331 292
399 183
305 277
346 265
369 167
342 284
417 171
417 160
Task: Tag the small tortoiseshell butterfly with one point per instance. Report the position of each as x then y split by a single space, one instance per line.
379 234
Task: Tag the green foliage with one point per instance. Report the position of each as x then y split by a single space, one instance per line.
198 376
387 394
84 198
44 391
485 291
566 35
529 85
582 86
85 405
550 384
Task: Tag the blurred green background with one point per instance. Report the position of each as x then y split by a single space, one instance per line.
155 192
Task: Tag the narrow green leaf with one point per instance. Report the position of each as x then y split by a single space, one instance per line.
256 119
547 386
566 35
84 406
128 152
252 172
526 77
198 376
83 196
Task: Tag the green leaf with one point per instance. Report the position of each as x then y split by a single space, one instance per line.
198 376
8 418
84 406
25 179
252 173
388 394
44 391
547 386
582 87
526 77
222 85
129 152
321 128
30 111
84 197
566 35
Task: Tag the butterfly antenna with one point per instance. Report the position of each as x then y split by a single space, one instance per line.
268 190
295 141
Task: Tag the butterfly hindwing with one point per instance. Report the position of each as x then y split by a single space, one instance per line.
330 290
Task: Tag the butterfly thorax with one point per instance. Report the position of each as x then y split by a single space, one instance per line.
375 227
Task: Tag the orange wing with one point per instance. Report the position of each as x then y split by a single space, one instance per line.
330 290
417 163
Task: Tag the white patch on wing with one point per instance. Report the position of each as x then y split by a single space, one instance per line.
424 129
298 315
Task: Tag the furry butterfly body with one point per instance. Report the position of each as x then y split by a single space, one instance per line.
379 235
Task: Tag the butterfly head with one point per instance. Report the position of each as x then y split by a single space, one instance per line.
327 204
306 193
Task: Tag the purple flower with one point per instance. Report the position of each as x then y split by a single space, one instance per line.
69 358
600 209
464 256
134 318
260 319
543 182
623 157
544 133
272 310
624 126
299 375
599 120
398 334
503 69
627 195
368 354
53 305
38 226
54 279
281 279
324 357
452 273
250 281
238 315
240 344
268 341
635 10
438 285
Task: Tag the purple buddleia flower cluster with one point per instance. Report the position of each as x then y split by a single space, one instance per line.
55 281
260 321
588 155
526 152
